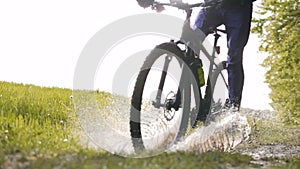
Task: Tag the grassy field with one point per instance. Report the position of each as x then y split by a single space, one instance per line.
37 131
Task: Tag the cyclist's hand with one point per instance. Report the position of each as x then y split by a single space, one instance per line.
145 3
158 8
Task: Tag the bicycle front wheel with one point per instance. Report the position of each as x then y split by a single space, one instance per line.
160 105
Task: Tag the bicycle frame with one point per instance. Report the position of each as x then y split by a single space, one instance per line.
189 59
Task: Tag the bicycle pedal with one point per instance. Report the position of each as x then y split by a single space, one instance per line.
171 103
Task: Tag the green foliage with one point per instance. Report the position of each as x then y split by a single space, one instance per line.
278 27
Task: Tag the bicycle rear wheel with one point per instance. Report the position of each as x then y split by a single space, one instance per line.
216 91
164 77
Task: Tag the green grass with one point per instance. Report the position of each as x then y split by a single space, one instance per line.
37 127
272 132
35 120
276 133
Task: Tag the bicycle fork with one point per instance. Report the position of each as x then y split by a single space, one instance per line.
157 103
170 103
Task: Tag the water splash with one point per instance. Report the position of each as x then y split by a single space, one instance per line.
224 131
108 129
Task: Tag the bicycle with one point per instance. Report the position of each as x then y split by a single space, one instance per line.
189 86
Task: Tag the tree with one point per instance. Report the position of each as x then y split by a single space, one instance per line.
279 29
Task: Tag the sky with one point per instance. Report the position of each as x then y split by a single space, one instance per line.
41 41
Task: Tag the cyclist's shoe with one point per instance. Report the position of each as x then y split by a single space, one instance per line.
231 106
235 107
227 105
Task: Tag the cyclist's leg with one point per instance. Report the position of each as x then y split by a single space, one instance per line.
205 21
208 19
237 22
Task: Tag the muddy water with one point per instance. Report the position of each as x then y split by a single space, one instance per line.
108 128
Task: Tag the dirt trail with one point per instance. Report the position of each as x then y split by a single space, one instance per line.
270 141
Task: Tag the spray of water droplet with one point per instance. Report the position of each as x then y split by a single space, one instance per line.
224 132
109 130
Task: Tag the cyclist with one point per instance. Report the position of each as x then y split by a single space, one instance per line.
236 15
